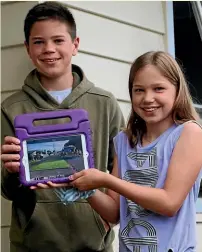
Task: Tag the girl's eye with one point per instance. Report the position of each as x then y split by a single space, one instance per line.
159 89
138 90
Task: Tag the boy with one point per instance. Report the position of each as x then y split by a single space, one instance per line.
40 222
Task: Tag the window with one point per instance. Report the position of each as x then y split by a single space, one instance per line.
188 46
188 51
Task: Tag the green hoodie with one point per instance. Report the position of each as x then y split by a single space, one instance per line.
40 222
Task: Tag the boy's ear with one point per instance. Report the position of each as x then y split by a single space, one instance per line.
27 46
75 46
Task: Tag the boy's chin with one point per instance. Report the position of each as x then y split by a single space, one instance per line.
50 75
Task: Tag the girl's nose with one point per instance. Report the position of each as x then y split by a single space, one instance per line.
148 97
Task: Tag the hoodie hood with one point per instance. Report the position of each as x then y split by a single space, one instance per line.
33 88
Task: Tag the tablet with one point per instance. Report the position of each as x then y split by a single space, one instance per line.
52 152
54 157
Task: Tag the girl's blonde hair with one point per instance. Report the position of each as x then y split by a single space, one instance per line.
183 109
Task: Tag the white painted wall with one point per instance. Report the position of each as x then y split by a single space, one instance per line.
112 35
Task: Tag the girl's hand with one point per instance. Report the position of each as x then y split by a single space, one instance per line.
50 185
85 180
88 179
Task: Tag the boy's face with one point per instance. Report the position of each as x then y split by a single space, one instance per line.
51 48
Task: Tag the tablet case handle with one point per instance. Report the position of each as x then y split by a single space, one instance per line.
26 120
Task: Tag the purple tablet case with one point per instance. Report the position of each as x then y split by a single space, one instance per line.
25 130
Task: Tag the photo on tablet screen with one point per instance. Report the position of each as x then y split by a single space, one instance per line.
55 157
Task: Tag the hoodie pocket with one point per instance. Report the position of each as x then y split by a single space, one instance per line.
102 224
55 227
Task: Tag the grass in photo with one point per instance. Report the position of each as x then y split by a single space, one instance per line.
50 165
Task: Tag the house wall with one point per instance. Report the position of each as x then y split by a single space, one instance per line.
112 35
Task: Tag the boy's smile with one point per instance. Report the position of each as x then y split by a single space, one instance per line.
50 60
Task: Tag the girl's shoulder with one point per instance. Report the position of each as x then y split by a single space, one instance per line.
121 136
187 128
192 126
120 140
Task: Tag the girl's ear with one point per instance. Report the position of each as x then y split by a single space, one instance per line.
75 46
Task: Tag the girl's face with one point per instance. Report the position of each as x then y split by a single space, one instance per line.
153 95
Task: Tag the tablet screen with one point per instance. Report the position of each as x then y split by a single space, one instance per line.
54 157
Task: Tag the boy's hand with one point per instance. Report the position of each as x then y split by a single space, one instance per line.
10 154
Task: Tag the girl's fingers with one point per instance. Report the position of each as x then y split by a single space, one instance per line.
39 186
42 186
76 175
33 187
49 185
54 185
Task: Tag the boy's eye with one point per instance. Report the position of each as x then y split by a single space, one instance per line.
59 41
38 42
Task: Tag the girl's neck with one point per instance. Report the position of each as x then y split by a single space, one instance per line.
57 84
155 130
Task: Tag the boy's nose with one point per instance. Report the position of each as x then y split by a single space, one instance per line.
49 47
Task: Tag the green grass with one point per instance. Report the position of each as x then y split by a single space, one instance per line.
50 165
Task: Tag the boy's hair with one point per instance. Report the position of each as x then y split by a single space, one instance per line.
183 109
47 11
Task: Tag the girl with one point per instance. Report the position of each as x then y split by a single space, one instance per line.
157 167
